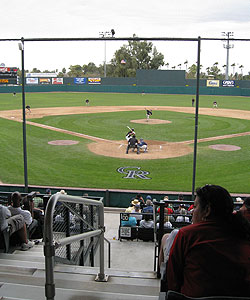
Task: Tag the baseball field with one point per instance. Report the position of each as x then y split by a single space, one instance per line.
70 144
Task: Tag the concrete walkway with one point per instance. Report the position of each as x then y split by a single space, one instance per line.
127 255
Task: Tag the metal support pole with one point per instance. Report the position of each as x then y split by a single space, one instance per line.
101 276
105 66
196 115
227 64
21 47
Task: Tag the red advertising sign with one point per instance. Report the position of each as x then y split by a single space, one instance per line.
57 80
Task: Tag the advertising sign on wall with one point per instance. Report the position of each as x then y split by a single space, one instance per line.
94 80
213 83
79 80
4 81
57 80
31 80
41 75
228 83
44 80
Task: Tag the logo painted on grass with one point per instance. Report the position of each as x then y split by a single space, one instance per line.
133 173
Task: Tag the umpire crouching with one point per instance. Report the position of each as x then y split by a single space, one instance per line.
133 143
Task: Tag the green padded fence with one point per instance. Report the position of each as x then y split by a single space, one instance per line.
181 90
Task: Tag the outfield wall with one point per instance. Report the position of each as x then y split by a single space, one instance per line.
188 90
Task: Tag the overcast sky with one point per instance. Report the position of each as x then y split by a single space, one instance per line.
161 18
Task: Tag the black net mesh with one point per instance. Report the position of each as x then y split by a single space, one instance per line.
70 219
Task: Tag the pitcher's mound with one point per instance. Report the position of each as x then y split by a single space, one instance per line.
150 121
156 150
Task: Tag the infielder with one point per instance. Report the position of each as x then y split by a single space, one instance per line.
28 108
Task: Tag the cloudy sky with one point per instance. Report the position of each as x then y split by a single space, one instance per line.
162 18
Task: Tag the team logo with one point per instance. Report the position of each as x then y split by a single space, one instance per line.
133 173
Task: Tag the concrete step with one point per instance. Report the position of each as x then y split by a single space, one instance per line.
19 261
28 292
21 257
17 269
87 283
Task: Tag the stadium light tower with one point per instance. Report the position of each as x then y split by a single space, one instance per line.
105 34
227 46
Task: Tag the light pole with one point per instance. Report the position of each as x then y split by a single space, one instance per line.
227 46
106 34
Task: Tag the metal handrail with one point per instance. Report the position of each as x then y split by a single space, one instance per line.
50 246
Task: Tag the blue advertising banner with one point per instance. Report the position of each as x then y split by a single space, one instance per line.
230 83
80 80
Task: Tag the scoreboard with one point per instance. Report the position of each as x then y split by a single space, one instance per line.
8 75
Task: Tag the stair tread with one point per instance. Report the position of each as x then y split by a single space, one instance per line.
37 293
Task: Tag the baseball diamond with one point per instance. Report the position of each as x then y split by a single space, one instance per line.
90 129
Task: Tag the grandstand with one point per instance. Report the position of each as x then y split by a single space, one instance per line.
96 258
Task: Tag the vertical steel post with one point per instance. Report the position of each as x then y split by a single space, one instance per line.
101 276
196 115
24 119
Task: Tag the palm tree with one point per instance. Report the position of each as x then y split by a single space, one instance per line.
185 63
241 67
179 66
173 67
233 65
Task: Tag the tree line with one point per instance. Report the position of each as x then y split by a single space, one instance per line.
141 55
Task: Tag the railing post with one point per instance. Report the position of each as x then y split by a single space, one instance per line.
101 276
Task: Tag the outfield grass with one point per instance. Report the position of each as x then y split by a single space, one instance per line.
8 101
76 166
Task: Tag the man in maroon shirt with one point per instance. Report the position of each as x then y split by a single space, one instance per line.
211 257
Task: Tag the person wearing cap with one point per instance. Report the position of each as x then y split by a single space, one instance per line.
149 207
131 207
143 145
141 200
48 192
136 211
133 143
130 134
245 208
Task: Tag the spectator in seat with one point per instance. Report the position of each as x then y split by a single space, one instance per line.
182 211
141 200
131 222
16 209
147 222
166 244
132 205
15 224
245 208
211 256
136 211
149 207
37 214
167 223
